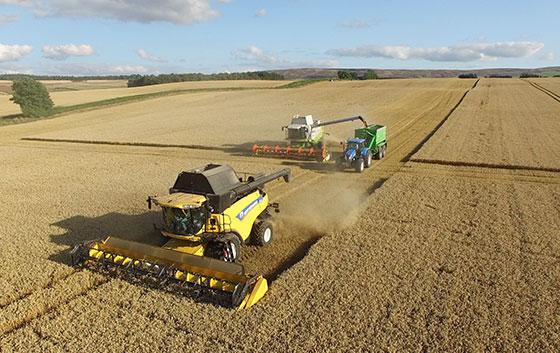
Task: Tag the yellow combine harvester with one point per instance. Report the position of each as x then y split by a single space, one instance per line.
207 215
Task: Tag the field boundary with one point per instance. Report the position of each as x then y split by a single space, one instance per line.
438 126
484 165
546 91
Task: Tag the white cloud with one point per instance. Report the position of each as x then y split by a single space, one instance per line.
14 52
150 57
145 11
224 1
126 69
261 13
6 18
13 68
254 58
356 23
61 52
460 53
550 56
92 69
255 54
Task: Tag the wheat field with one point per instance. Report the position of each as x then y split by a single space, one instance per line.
441 246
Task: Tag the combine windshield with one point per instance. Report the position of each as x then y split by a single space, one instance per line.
183 221
298 133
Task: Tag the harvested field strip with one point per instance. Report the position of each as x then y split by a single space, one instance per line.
419 146
548 92
484 165
485 129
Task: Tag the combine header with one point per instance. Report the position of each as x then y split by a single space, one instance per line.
305 139
207 215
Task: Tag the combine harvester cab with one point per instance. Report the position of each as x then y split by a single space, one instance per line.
305 138
367 143
207 215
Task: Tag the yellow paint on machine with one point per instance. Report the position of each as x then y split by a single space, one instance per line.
259 290
238 218
185 247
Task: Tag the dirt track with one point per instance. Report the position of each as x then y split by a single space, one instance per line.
443 257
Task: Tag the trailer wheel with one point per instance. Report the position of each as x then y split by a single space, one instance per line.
369 160
263 233
359 165
381 152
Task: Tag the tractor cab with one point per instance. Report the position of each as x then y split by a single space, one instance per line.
355 143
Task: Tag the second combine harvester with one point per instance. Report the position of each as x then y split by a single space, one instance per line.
306 139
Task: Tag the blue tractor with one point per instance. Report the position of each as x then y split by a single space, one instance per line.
367 143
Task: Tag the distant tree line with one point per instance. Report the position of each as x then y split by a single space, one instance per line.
146 80
558 75
468 75
353 75
499 76
529 75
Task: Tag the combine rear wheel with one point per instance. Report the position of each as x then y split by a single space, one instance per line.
263 233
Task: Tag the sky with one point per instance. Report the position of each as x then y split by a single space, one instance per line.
104 37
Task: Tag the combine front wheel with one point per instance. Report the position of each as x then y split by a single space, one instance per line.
228 248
